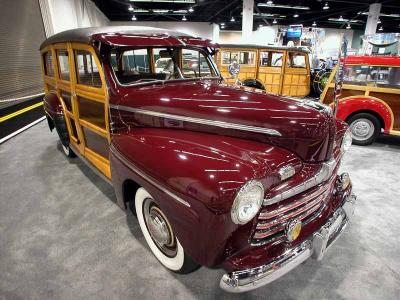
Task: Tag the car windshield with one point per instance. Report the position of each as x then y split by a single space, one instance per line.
153 64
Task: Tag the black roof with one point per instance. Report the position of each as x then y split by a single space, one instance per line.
241 46
85 35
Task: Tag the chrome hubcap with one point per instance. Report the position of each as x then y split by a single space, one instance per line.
159 228
362 129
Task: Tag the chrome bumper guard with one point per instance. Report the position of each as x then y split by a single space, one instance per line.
250 279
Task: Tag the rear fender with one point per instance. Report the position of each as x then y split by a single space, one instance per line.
55 116
350 105
203 170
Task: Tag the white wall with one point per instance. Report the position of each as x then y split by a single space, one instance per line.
262 36
60 15
331 43
197 29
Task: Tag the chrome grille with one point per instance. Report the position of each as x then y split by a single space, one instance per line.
272 223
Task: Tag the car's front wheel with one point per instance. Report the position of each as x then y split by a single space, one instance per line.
365 128
159 235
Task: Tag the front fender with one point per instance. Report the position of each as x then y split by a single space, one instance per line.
204 170
351 105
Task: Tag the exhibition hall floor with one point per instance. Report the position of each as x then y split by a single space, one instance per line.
63 236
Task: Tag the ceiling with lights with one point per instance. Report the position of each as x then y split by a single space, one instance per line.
228 13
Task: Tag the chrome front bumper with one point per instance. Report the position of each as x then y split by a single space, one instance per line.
315 247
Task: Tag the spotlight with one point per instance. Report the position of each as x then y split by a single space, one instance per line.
232 19
134 18
270 2
274 21
191 9
380 28
314 24
341 18
348 26
184 18
379 21
295 16
326 6
130 8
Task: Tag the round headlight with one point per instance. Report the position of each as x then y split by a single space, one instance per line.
347 140
247 202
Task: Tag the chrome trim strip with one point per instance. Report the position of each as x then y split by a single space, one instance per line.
221 124
322 175
146 177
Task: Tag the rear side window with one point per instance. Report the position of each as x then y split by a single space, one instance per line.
271 59
136 61
48 64
386 76
63 66
247 58
357 75
296 60
87 72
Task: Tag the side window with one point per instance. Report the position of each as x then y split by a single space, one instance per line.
195 64
225 57
163 62
136 61
247 58
63 66
388 77
264 56
276 59
48 64
87 72
358 75
296 60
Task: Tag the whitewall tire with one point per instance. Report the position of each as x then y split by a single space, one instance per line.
159 235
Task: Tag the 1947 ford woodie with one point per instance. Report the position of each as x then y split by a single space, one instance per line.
218 175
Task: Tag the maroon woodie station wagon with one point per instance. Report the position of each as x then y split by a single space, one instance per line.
218 175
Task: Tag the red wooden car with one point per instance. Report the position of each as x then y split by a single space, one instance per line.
370 96
218 175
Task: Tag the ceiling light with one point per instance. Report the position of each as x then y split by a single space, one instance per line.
295 16
270 2
379 21
130 8
222 24
326 6
314 24
341 18
181 11
184 18
380 28
160 11
348 26
134 18
296 7
260 25
275 21
168 1
191 9
232 19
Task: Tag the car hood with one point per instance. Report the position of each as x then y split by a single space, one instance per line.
306 128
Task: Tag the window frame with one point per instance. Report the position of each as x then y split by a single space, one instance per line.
93 61
209 60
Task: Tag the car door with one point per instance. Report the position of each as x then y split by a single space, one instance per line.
270 70
90 106
296 79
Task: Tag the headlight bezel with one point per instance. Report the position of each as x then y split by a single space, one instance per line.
346 141
239 201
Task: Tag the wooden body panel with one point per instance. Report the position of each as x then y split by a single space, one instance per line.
87 137
280 80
